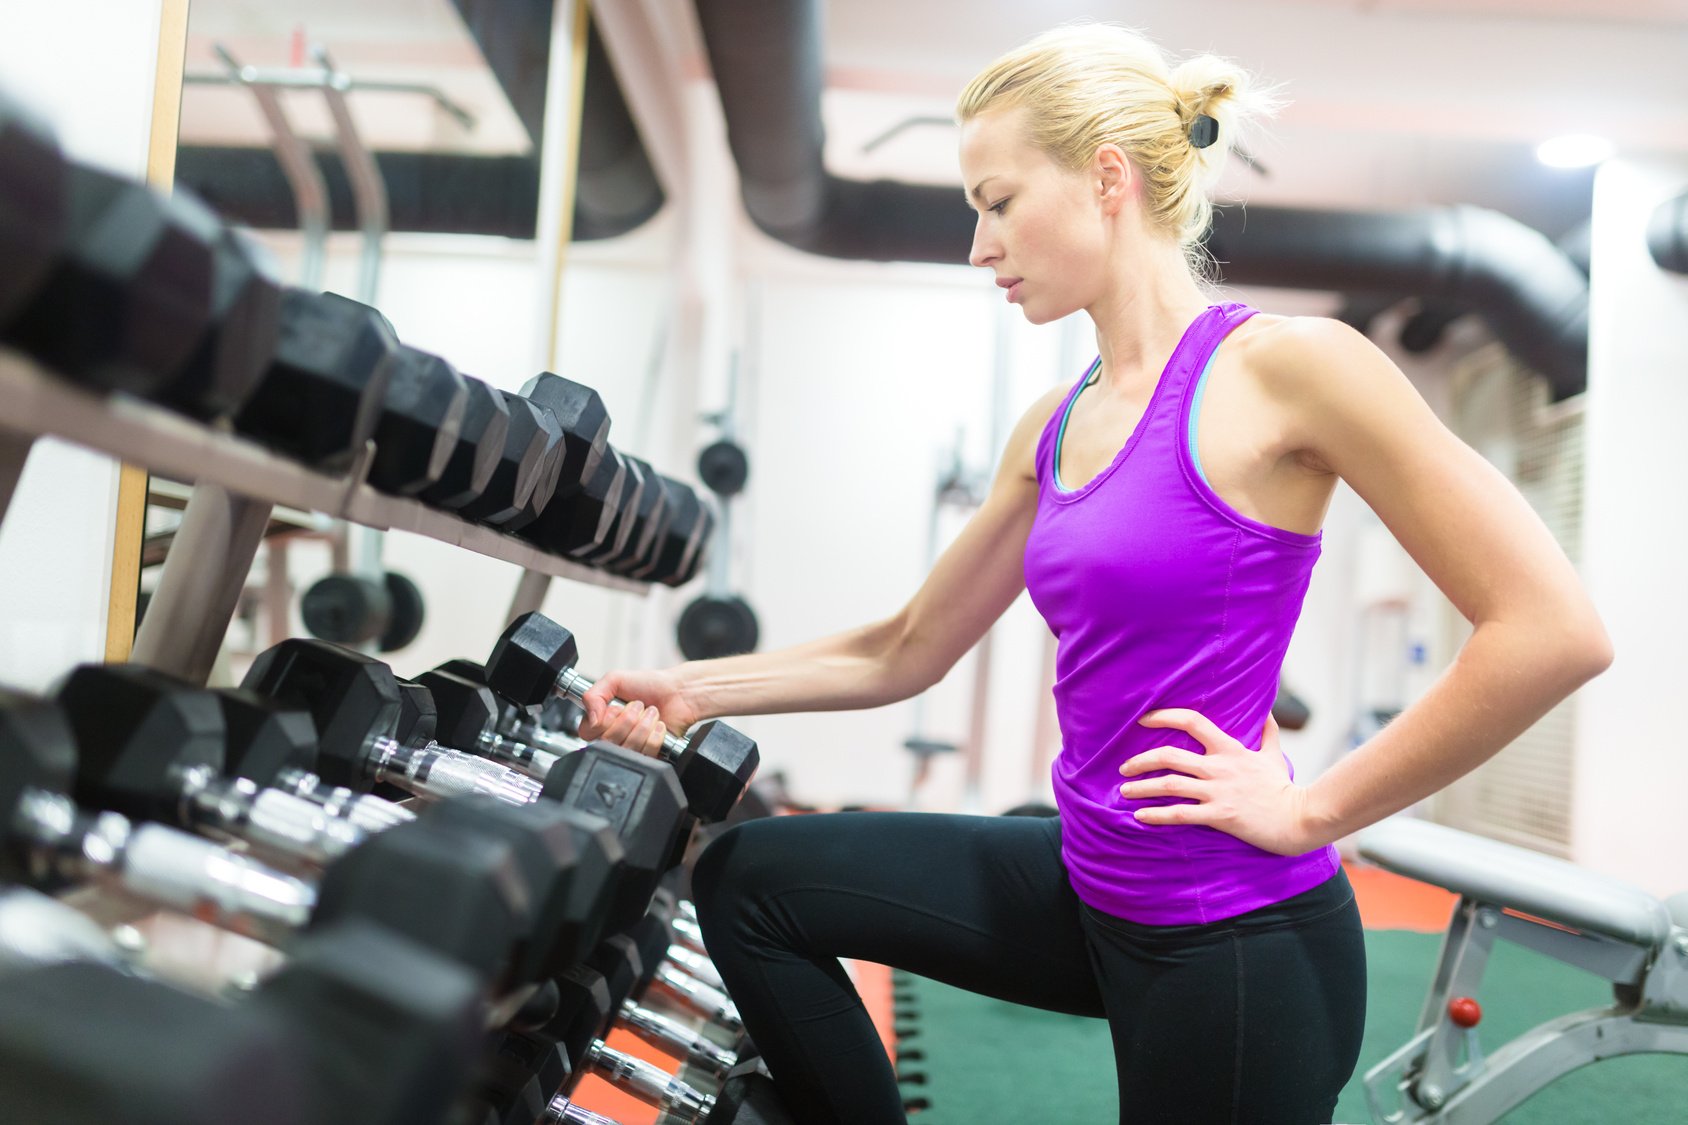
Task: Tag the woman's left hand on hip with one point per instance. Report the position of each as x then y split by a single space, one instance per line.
1236 790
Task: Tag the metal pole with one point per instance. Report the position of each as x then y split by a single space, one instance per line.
312 78
973 757
369 192
310 194
530 593
200 585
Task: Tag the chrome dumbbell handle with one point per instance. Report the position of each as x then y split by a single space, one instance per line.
437 771
711 1002
677 1100
575 686
676 1038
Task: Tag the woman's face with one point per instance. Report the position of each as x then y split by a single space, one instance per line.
1041 228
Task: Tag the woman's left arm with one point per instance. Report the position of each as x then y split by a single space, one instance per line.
1537 637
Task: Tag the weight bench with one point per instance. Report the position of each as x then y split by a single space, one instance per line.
1609 928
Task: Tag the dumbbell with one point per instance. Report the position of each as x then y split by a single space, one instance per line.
132 290
680 542
748 1097
319 398
277 749
152 747
374 1029
524 475
640 519
526 1068
583 420
458 893
580 521
419 422
620 524
535 657
476 451
356 702
554 726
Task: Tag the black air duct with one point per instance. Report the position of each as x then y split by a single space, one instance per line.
766 55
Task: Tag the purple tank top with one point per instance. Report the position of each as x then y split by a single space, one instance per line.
1160 595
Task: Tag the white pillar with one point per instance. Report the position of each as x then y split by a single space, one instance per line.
1631 767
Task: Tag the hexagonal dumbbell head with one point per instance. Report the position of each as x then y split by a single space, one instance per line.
623 516
464 710
550 466
543 843
642 800
581 522
529 657
395 1027
128 298
319 398
696 549
680 534
458 893
475 454
264 740
245 325
518 466
648 542
34 206
584 423
137 733
651 515
420 418
351 697
716 769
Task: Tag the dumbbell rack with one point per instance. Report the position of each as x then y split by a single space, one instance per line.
237 483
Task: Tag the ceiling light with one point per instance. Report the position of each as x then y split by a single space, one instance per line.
1574 150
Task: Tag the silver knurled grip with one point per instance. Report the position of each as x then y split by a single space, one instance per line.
297 827
211 882
687 930
712 1002
372 814
697 965
435 771
520 756
669 1035
678 1100
561 1111
575 686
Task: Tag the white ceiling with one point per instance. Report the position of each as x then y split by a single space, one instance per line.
1393 103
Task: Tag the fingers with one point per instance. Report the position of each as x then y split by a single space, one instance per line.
635 726
596 702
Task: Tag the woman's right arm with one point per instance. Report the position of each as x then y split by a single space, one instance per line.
971 585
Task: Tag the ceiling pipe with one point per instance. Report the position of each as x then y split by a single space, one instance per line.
453 193
766 57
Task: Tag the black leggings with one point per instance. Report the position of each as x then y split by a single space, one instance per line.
1254 1020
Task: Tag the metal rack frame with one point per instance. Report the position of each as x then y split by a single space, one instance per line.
237 484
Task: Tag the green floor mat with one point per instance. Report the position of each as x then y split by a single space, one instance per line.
966 1058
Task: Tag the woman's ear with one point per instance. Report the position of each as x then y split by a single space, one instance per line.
1113 175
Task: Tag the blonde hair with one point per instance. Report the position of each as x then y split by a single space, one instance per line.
1089 84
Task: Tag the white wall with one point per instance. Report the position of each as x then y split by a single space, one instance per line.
87 67
1631 772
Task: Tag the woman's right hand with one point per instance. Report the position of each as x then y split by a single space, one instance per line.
655 704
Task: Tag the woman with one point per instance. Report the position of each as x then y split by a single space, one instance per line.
1164 513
